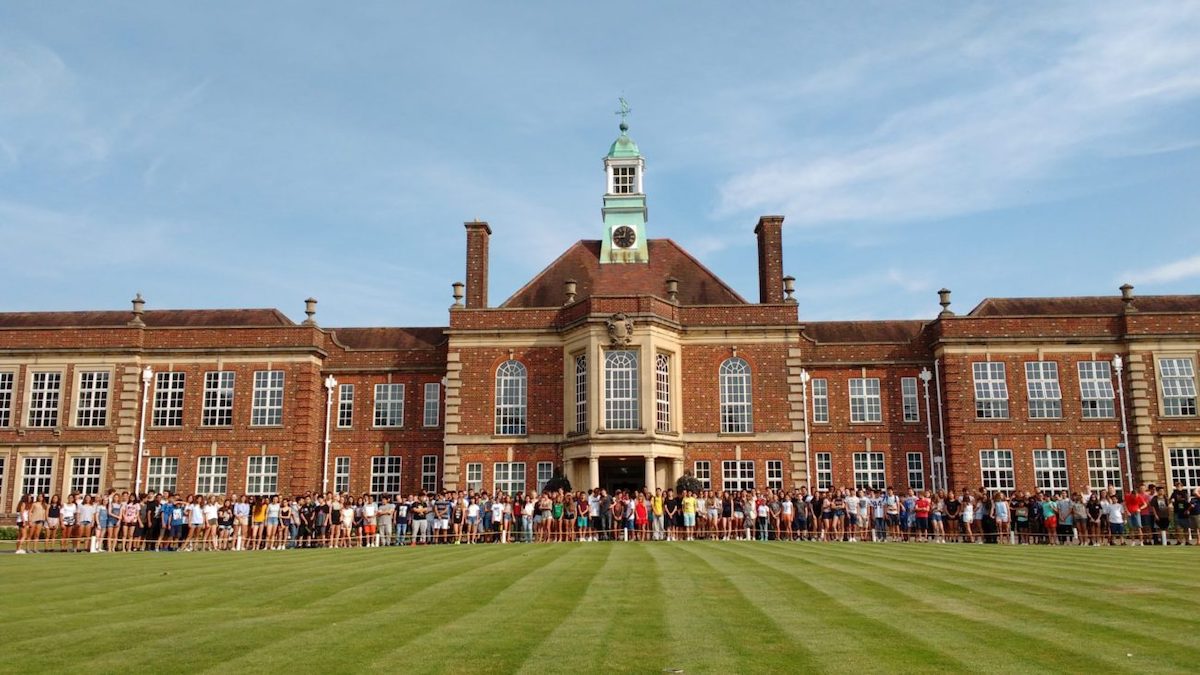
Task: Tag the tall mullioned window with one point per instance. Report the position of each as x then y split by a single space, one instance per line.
866 404
1045 395
385 474
37 474
218 400
996 469
162 474
433 404
341 474
824 470
345 417
512 388
267 404
508 478
991 390
1178 387
869 470
820 400
262 475
389 405
168 400
1096 389
736 402
429 473
737 475
1185 466
1050 470
908 395
45 390
916 471
212 475
662 392
621 390
91 409
1104 469
581 394
6 396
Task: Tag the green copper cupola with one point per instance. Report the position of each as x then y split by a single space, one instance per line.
624 211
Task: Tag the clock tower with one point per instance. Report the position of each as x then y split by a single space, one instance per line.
624 211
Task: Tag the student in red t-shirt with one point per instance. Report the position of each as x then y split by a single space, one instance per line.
1135 501
922 508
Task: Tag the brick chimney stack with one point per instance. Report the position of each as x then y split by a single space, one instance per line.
478 234
770 258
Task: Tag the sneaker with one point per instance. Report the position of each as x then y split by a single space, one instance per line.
20 551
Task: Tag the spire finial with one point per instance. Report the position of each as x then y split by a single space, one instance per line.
624 112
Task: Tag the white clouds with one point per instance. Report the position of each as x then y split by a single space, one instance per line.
1050 90
1168 272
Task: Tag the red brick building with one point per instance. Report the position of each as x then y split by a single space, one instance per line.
623 363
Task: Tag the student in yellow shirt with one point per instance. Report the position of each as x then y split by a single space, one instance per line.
689 513
656 506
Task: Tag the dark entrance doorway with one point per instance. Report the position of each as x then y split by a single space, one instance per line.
622 474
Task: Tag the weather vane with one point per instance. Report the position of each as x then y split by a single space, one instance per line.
624 112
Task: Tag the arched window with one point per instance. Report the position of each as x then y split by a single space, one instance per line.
736 406
621 390
662 392
512 385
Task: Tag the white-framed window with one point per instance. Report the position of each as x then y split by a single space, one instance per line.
703 472
433 405
1045 394
1104 469
389 405
1185 466
866 404
1096 389
916 471
774 474
910 400
624 180
545 471
212 475
218 400
341 474
581 394
737 475
44 392
267 403
991 390
37 475
508 478
345 417
162 474
85 475
474 476
621 389
824 470
996 469
91 409
262 475
662 392
737 415
7 379
820 394
1050 470
869 470
429 473
512 390
385 475
168 400
1178 387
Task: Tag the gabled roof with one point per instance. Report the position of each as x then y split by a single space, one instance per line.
389 338
1084 305
581 262
157 318
893 332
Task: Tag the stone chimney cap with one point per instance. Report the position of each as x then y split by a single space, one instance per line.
310 311
477 225
139 305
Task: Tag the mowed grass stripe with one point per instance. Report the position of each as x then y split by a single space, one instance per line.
617 626
990 636
498 642
852 636
1038 616
712 626
397 608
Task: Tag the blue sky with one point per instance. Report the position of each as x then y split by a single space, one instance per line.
253 154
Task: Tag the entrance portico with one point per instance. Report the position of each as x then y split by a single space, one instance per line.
649 465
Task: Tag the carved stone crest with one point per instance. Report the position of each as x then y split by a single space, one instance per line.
620 329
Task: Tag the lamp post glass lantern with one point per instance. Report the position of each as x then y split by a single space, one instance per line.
934 476
1117 364
331 383
804 379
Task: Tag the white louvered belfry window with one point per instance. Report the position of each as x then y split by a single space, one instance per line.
662 392
512 387
624 180
1096 389
1045 395
737 414
1178 387
991 390
621 390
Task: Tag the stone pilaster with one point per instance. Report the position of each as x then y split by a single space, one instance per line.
450 458
796 415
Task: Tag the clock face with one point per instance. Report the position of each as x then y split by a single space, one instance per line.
624 236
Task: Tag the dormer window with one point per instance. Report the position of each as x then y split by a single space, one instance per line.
624 180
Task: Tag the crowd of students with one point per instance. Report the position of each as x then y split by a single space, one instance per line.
168 522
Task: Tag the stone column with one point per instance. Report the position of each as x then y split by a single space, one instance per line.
650 474
593 473
676 471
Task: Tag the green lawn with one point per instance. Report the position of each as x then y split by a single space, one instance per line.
700 607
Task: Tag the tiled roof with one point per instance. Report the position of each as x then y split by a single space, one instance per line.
158 318
389 338
1085 305
863 331
581 262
